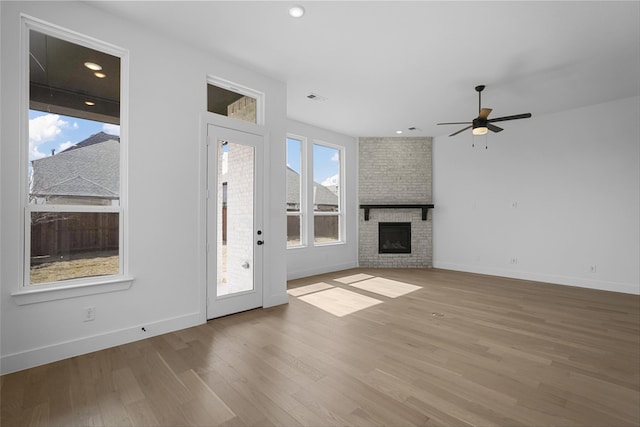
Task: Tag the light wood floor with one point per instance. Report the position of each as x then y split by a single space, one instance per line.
462 350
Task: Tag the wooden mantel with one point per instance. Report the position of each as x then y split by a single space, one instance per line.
425 209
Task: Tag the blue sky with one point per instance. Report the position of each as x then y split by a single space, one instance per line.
326 162
49 131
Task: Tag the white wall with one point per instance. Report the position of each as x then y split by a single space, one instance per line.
167 99
310 260
575 177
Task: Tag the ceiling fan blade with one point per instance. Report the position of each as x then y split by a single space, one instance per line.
484 113
515 117
461 130
494 128
455 123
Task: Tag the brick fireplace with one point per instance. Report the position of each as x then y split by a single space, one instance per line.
395 188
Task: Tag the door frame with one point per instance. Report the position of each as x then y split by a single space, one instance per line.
207 119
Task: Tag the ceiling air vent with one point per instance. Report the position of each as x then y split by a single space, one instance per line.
315 97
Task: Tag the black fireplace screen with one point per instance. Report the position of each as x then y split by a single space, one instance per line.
394 237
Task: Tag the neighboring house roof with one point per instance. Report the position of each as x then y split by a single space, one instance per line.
93 139
293 187
88 169
321 194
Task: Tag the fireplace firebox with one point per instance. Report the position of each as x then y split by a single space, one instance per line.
394 237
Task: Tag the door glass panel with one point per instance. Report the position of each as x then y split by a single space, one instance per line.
236 233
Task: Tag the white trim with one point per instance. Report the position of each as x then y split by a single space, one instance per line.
334 243
341 214
207 236
75 208
302 213
26 292
243 90
71 289
296 274
45 27
627 288
59 351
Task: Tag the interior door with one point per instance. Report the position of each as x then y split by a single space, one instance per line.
234 221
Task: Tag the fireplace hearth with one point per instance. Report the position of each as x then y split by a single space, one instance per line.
394 237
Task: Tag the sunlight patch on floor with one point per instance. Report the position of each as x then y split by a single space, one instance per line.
303 290
386 287
339 302
354 278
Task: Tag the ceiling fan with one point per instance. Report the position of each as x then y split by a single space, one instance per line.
482 124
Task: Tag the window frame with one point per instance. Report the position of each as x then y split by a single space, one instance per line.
28 293
340 214
302 212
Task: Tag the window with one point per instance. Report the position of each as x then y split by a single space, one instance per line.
327 193
75 191
316 206
231 100
296 194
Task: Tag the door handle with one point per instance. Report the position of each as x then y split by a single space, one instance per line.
260 242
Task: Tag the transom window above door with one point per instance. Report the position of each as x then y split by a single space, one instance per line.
232 100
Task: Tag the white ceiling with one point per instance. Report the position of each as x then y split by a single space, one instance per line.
385 66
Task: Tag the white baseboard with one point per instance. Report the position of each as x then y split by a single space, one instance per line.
627 288
52 353
297 274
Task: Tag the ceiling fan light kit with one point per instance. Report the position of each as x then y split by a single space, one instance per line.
482 124
479 127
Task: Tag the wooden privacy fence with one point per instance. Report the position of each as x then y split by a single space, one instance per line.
324 227
57 233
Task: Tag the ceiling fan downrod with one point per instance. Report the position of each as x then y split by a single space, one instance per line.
479 89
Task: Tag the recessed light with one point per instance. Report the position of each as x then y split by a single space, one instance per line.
100 75
90 103
296 11
93 66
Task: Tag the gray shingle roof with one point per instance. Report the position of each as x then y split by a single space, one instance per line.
96 138
322 195
293 187
88 170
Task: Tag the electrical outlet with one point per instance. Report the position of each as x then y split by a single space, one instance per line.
513 261
89 314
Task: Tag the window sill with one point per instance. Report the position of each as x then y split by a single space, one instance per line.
297 247
57 292
336 243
